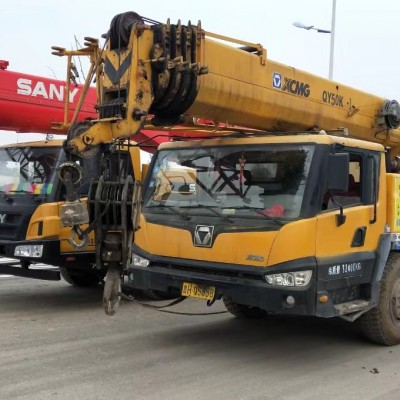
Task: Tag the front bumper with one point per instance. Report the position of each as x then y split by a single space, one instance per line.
243 284
51 253
330 293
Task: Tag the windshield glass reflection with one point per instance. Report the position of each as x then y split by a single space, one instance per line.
28 170
264 181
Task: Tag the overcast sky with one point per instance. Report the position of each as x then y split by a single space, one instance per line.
366 39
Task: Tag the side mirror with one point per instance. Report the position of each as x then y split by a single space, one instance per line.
338 172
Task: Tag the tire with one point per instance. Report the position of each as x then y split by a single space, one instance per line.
242 311
81 278
381 324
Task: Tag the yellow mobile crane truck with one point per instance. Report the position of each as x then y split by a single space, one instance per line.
30 203
298 213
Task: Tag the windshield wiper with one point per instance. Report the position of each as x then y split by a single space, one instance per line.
16 191
6 194
270 218
217 211
259 210
179 212
27 192
174 209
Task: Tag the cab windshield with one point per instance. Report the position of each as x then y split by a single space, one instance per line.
28 170
258 181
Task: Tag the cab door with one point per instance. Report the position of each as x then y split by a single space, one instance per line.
348 249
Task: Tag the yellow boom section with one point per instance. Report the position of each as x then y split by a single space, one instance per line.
242 90
172 70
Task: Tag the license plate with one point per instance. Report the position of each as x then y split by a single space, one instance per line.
200 292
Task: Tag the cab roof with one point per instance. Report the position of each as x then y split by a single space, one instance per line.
37 143
269 138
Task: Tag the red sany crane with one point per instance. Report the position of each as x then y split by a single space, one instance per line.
31 103
35 104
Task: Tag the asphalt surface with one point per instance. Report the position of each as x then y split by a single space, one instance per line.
56 343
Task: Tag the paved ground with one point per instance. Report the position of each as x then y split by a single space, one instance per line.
56 343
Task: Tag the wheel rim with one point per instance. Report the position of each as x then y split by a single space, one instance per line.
395 302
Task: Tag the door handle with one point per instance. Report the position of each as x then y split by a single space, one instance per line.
359 237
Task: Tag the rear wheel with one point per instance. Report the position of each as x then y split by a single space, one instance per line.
382 323
81 278
243 311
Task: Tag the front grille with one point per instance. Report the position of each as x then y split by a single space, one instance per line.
212 271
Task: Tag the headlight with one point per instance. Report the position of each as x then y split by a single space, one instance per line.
297 278
138 261
29 250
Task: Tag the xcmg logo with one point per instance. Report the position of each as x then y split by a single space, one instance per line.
290 85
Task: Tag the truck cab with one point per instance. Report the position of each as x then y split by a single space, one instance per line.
290 225
31 197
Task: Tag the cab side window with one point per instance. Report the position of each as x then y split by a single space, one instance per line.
353 195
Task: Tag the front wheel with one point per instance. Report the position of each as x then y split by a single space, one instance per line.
243 311
382 323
